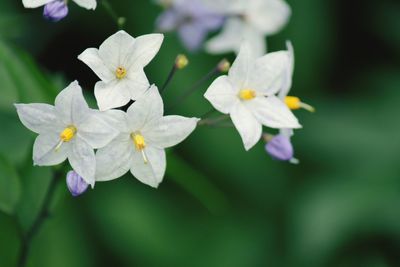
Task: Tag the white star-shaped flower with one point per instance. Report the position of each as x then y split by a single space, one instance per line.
88 4
248 94
249 20
69 129
145 133
119 63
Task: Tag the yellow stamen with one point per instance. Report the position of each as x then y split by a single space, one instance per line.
295 103
66 135
120 73
140 144
247 94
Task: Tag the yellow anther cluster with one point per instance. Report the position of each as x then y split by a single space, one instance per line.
181 61
68 133
293 102
138 140
120 73
247 94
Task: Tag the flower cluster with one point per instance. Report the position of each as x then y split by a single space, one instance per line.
133 141
250 20
128 131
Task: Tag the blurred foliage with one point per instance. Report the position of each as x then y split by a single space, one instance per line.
218 205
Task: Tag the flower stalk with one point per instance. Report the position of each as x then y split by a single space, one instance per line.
44 213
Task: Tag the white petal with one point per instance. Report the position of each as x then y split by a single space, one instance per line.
268 73
82 160
152 172
169 131
222 94
272 112
91 58
145 110
115 159
88 4
145 49
287 81
241 67
113 94
116 50
269 16
44 152
229 39
95 131
39 118
256 40
35 3
248 127
71 105
116 119
137 83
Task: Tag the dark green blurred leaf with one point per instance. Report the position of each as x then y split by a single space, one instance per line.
35 181
195 183
24 82
10 187
16 140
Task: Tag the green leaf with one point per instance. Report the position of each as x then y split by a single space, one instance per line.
196 184
35 183
15 140
10 187
22 80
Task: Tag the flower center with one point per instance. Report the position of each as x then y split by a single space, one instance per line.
68 133
120 72
247 94
138 140
140 144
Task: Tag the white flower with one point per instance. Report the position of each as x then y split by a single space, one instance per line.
145 133
69 129
88 4
248 94
249 20
119 63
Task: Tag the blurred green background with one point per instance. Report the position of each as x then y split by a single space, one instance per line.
218 205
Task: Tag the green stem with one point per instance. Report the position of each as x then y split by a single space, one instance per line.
120 21
43 214
213 121
169 79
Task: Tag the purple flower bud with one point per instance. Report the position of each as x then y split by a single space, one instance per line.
280 148
56 10
76 185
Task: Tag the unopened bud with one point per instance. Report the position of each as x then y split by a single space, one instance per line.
76 185
224 66
181 61
56 10
280 148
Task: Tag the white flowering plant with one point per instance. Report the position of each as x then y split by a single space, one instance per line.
129 129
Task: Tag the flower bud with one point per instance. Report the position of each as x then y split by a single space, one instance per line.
76 185
280 148
56 10
224 66
181 61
